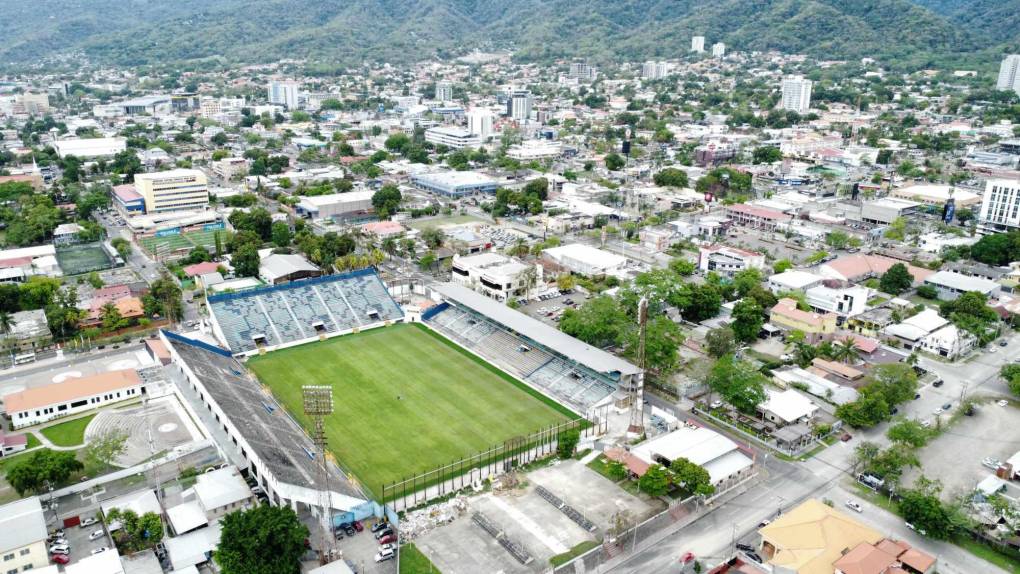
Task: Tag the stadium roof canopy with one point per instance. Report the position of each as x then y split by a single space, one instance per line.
551 338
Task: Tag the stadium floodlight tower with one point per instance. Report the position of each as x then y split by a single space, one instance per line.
637 411
318 403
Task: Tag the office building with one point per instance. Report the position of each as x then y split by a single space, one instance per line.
494 275
284 93
1009 74
444 91
452 137
480 122
583 72
338 206
173 190
455 183
718 50
796 94
698 44
518 105
1000 206
74 395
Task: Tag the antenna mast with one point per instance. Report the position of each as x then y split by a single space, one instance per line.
637 411
318 402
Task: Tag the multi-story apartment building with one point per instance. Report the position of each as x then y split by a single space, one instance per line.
718 50
698 44
1000 206
1009 74
444 91
480 122
284 93
796 94
173 190
451 137
518 105
495 275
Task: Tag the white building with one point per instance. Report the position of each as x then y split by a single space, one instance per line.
787 407
793 280
845 301
23 536
951 285
495 275
583 71
518 105
718 455
71 396
177 189
584 259
796 94
335 205
728 260
1009 74
444 91
535 149
718 50
90 148
930 332
284 93
698 44
1000 206
480 122
651 70
452 137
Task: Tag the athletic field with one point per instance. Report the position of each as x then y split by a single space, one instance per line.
405 400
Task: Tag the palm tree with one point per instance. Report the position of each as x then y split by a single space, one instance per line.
6 322
389 245
529 278
804 353
846 350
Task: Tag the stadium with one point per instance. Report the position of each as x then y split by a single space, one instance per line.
412 391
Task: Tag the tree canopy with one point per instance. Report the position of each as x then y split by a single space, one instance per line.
261 540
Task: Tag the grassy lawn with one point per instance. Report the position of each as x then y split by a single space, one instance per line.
405 400
33 441
412 561
68 433
574 552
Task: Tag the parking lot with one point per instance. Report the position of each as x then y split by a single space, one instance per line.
360 549
548 308
955 456
83 540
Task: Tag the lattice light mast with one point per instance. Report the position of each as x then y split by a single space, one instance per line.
318 403
637 412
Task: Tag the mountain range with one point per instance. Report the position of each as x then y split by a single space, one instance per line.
908 33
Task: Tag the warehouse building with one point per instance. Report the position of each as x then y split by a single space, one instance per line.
951 285
90 148
455 183
888 209
336 206
584 259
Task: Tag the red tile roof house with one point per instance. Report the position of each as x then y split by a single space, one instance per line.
201 268
74 395
11 443
856 268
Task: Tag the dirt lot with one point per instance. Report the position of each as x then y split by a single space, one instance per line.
955 456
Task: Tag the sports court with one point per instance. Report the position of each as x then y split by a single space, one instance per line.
181 242
405 400
84 258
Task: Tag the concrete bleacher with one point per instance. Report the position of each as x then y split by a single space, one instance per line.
303 310
571 384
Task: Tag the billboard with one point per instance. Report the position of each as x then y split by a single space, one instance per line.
212 226
949 211
168 232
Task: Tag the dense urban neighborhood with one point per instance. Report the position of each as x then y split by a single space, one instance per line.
733 307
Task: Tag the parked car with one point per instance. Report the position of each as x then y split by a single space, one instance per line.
385 555
1003 342
58 541
88 522
846 437
854 506
60 549
716 404
1002 403
388 539
99 550
384 532
754 556
379 526
97 534
926 423
764 523
60 558
937 411
937 383
990 462
745 547
57 534
947 406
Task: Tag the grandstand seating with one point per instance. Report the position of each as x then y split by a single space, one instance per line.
569 383
290 313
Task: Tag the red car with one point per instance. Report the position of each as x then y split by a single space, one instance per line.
60 558
388 539
358 526
687 558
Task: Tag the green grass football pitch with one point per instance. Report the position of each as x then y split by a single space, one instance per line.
405 400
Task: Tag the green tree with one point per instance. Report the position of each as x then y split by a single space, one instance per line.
767 154
782 265
682 267
136 533
281 235
896 280
111 318
565 282
720 342
737 382
662 343
837 239
33 472
433 237
922 507
600 322
103 450
261 540
246 261
747 320
386 201
692 478
927 291
846 350
614 162
671 177
655 481
566 443
123 247
909 432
